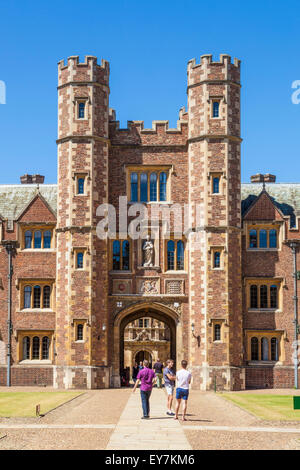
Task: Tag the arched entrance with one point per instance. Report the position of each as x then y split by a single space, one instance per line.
154 310
143 355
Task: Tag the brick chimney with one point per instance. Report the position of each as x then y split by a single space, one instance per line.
32 179
260 178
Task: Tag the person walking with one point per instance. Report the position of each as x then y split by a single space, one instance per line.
183 380
169 379
158 369
140 366
147 378
135 371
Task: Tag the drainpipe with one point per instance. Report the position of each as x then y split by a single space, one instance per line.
294 245
9 249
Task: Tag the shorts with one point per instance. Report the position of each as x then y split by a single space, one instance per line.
169 389
182 393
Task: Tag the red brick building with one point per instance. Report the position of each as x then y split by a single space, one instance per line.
224 288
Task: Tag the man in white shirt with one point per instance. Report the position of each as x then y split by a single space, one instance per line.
183 379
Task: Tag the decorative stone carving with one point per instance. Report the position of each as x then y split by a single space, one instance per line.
143 336
122 286
149 286
174 287
148 249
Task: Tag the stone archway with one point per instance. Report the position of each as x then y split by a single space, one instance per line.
143 354
138 310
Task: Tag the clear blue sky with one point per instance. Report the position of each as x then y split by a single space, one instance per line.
148 45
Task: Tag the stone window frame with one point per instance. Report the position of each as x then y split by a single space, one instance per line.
148 169
35 228
185 265
218 321
216 99
76 175
77 101
264 226
258 281
121 240
221 176
21 334
75 323
75 251
42 283
269 334
214 249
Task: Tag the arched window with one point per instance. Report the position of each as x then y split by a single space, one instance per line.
27 297
144 187
38 239
217 332
163 187
134 187
80 186
273 238
47 239
274 349
263 296
81 109
26 348
79 260
273 297
116 255
125 255
28 239
79 335
254 349
35 347
217 259
263 239
216 106
264 349
46 297
153 187
180 255
253 239
253 297
171 255
36 297
216 182
45 347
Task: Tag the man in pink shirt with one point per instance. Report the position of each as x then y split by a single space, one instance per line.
147 378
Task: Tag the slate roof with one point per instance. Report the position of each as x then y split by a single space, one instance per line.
15 197
286 196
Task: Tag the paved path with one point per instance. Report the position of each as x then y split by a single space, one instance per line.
160 432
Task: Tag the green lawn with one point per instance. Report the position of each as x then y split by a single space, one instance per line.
22 404
268 407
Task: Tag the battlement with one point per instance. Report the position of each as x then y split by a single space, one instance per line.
157 127
87 71
159 134
73 60
206 59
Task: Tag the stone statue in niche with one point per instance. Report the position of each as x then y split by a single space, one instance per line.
148 249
